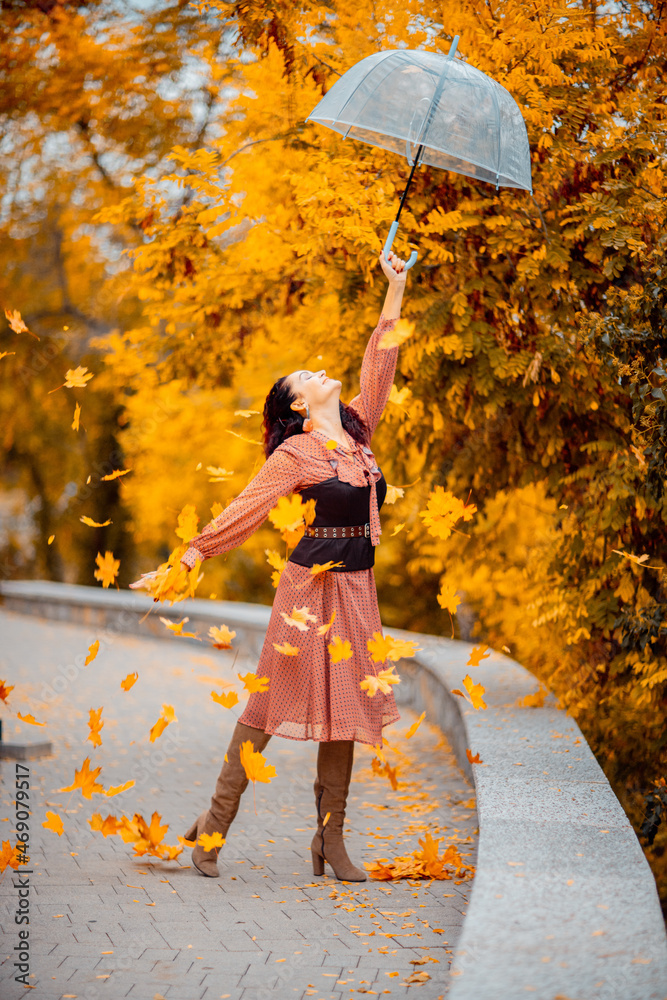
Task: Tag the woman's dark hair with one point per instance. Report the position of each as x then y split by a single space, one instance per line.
281 422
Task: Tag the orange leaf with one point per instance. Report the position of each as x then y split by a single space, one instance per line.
475 691
415 726
340 649
95 724
210 840
286 648
107 826
442 512
4 690
323 567
381 682
85 780
116 474
187 523
94 524
128 681
254 764
76 378
534 700
53 822
10 857
31 719
222 637
93 650
165 718
473 760
478 654
252 682
323 629
108 568
226 700
77 414
299 618
177 627
117 789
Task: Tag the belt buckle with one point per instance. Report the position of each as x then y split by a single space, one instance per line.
367 530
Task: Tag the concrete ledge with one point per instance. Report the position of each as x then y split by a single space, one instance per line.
564 904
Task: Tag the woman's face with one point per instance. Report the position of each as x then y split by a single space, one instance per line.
313 388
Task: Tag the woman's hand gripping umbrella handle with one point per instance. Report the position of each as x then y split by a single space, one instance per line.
387 247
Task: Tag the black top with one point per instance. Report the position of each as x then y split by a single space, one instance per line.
338 504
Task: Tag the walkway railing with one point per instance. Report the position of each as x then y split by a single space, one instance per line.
563 902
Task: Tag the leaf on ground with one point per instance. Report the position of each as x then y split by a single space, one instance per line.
473 760
535 700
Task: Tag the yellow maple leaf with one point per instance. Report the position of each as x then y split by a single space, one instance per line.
288 514
252 682
415 726
107 568
323 629
475 691
379 647
254 764
76 378
53 822
299 618
218 474
442 512
116 474
477 654
15 321
77 414
380 682
401 332
210 840
222 637
107 826
216 509
177 627
84 779
323 567
340 649
93 650
226 700
278 563
447 597
286 648
476 759
4 690
10 857
129 681
31 719
167 715
187 523
394 493
117 789
94 524
95 724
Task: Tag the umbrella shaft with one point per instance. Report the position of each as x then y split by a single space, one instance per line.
405 192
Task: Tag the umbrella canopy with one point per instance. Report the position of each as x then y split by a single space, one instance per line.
402 99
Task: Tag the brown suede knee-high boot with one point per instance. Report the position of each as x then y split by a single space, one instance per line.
229 788
334 769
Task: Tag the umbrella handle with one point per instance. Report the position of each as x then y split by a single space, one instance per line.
387 247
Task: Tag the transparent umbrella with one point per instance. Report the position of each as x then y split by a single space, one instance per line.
432 109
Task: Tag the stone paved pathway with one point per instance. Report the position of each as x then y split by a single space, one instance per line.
104 924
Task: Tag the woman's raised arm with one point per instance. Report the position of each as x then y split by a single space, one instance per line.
379 364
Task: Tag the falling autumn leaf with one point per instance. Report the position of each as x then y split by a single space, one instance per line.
448 598
415 726
399 527
286 648
324 567
475 691
116 474
95 725
187 523
278 563
222 637
394 493
107 826
252 682
177 627
403 330
85 780
478 654
340 649
4 691
473 760
226 700
211 840
75 378
31 719
53 822
17 324
379 647
382 682
93 650
323 629
254 764
6 354
166 717
10 857
107 568
299 618
217 474
94 524
129 681
77 414
50 539
117 789
147 838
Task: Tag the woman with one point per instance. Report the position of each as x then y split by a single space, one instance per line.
314 695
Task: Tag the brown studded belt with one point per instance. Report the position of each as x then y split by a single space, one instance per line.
346 531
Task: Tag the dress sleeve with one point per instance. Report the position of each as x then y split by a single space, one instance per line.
279 476
377 376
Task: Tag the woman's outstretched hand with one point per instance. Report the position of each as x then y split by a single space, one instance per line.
142 583
394 268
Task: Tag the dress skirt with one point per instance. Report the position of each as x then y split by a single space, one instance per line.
309 697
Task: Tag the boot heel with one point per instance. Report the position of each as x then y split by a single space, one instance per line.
318 863
192 832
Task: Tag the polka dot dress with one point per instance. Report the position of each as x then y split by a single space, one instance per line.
311 697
